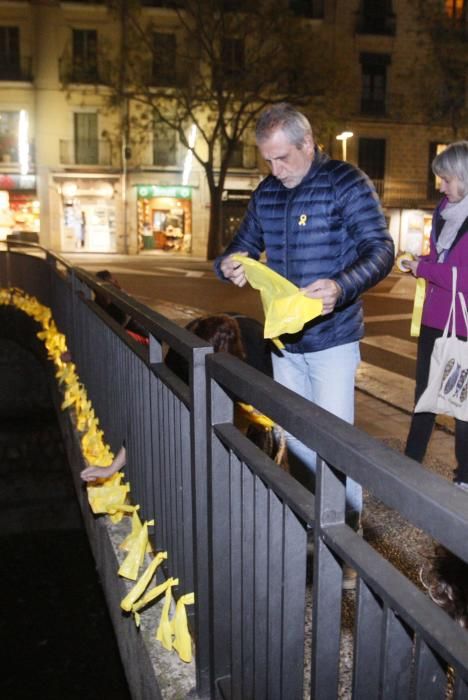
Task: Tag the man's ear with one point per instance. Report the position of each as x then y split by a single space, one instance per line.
309 144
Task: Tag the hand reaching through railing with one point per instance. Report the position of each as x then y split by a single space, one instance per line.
93 473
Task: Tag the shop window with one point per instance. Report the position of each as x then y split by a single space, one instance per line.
164 59
165 217
455 9
9 123
85 62
371 159
164 144
376 17
374 83
313 9
86 140
10 67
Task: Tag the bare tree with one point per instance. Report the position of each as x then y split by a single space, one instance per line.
442 77
230 60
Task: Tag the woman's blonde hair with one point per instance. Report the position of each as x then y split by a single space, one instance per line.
453 162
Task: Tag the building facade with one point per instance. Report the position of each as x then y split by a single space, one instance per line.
74 169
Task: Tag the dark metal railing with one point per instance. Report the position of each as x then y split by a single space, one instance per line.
237 527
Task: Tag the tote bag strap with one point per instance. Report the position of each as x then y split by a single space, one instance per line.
450 325
464 311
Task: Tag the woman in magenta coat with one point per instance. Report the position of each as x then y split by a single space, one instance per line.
449 248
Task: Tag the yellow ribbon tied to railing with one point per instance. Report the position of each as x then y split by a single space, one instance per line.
135 557
253 416
286 308
134 532
182 641
164 631
142 583
106 498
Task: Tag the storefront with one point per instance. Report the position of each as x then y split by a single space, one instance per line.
19 205
164 217
234 207
410 230
88 213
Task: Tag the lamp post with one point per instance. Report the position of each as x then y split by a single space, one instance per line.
343 137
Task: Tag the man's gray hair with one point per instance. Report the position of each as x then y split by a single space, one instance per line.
285 117
453 162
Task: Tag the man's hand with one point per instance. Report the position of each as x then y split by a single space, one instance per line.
233 270
327 290
90 474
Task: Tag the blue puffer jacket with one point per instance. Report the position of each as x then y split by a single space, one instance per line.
330 226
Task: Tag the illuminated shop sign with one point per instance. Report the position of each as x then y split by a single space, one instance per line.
17 182
146 191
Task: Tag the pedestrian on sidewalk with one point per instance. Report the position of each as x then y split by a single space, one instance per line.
448 249
321 225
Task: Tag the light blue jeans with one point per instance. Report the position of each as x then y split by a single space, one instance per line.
327 379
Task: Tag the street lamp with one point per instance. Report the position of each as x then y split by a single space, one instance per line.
343 137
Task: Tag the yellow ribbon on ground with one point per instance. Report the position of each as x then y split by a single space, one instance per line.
286 308
134 559
182 641
419 297
164 631
142 583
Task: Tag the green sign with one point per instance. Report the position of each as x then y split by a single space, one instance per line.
147 191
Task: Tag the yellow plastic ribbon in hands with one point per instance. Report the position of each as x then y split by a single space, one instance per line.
164 631
286 308
419 297
134 559
142 583
182 640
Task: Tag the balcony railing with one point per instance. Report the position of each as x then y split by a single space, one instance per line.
390 106
85 152
18 70
85 74
376 24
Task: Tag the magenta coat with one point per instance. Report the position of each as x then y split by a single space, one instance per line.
439 276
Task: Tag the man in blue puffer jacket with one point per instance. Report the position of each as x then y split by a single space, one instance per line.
321 225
